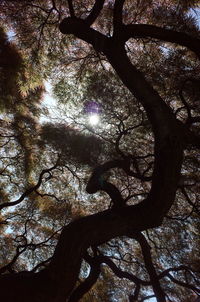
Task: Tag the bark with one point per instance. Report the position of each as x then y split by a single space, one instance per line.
162 34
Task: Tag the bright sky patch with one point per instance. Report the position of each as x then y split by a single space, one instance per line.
94 119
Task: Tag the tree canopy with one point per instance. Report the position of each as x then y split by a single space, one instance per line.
100 189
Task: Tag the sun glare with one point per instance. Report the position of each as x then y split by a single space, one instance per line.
94 119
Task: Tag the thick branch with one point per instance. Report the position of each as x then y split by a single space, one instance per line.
95 12
87 284
169 133
162 34
97 181
193 139
101 227
117 15
81 30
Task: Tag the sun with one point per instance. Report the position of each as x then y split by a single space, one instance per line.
94 119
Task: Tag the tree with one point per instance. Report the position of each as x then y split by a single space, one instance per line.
142 226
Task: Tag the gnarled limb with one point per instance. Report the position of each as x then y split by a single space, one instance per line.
169 145
162 34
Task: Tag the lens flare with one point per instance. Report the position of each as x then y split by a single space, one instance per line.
94 119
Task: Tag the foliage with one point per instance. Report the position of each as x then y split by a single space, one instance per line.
106 212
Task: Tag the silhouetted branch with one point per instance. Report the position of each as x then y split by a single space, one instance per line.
30 190
146 252
117 15
162 34
87 284
98 5
71 8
